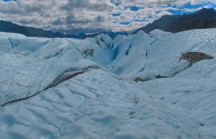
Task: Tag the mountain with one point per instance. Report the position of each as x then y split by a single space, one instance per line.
156 85
202 19
36 32
27 31
83 35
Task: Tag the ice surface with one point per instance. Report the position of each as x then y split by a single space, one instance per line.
86 88
96 105
159 33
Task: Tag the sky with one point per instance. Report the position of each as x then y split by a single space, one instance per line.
92 16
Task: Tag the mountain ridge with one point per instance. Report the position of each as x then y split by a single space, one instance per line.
10 27
201 19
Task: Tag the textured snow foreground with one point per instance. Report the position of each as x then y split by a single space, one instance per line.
133 87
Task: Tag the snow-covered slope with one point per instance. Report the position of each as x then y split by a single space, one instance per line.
29 65
68 88
148 56
96 105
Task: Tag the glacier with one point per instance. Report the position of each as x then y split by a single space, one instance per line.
129 87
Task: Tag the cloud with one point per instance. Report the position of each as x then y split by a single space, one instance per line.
75 16
92 5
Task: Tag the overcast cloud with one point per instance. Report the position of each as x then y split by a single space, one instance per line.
75 16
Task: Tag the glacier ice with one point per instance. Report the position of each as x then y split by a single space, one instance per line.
87 88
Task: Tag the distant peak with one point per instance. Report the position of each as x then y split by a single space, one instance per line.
201 19
206 11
